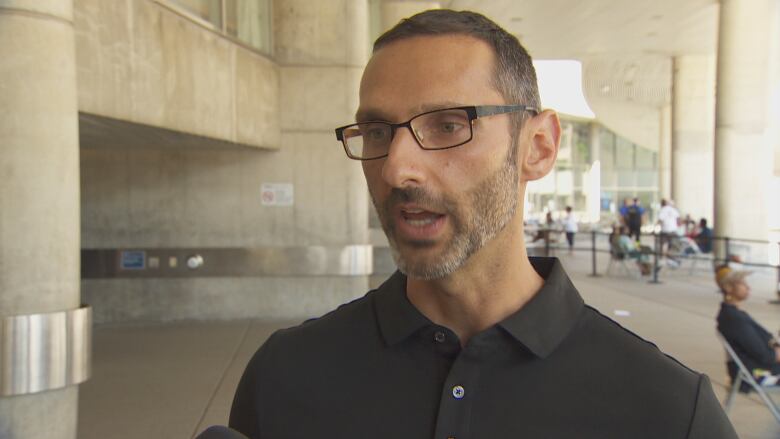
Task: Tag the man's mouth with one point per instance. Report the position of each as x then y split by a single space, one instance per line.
416 223
419 217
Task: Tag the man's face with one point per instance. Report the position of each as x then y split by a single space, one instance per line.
740 290
438 207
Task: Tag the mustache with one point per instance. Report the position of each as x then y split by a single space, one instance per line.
416 195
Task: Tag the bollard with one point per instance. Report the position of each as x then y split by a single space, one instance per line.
593 273
727 250
656 249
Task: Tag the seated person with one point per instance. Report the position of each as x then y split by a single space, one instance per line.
704 237
758 350
623 242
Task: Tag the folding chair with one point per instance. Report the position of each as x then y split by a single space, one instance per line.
743 374
618 256
686 249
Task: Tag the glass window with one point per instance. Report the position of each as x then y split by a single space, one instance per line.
624 154
645 158
209 10
249 22
607 153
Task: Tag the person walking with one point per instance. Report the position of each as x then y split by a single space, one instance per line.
570 227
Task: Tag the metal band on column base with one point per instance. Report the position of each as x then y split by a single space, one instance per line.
40 352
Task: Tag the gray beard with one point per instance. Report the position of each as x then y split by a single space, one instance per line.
489 208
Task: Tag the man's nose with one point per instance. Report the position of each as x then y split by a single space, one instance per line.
403 165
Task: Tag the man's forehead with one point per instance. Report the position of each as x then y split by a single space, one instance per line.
426 73
423 50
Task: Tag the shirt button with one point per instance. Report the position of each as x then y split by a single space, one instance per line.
439 337
458 392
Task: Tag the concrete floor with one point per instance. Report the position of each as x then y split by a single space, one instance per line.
174 380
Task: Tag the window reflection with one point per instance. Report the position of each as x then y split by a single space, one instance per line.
248 21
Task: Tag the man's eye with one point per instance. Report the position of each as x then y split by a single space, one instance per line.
449 127
375 134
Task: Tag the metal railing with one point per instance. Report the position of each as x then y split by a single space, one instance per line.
723 251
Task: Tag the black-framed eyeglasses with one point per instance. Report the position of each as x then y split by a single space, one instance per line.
437 129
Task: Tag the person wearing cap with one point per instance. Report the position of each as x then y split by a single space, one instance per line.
758 349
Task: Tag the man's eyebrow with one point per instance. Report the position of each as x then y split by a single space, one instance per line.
376 114
370 114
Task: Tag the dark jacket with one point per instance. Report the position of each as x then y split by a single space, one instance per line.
749 340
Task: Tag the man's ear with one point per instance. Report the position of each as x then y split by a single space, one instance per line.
545 138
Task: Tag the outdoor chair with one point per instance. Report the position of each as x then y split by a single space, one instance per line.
685 249
744 375
619 257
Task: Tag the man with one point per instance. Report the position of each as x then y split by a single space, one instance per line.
470 339
668 218
704 237
756 347
570 227
633 217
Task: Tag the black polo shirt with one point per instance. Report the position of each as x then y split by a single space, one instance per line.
378 368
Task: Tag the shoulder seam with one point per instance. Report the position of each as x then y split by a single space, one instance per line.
640 338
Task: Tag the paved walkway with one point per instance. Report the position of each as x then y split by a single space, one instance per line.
174 380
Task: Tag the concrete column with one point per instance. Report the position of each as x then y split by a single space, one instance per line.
665 153
743 157
774 133
693 124
393 11
39 191
593 197
321 49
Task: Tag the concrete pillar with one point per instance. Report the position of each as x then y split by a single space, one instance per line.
321 49
39 194
593 197
693 124
395 10
665 153
743 157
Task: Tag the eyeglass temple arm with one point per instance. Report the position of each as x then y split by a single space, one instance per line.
490 110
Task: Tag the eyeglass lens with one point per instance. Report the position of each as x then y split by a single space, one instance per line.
435 130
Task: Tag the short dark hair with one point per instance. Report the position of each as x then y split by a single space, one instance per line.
514 75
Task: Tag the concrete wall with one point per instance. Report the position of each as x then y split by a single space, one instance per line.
141 62
158 191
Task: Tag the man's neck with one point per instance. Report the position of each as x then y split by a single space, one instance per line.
494 283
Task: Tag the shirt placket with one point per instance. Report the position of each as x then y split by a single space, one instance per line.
457 399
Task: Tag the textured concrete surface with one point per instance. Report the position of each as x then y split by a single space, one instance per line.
741 121
165 300
161 381
693 136
39 192
140 62
144 64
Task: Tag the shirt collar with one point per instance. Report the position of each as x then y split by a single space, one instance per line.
548 318
541 325
397 317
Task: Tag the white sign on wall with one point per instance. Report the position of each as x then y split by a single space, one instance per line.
277 194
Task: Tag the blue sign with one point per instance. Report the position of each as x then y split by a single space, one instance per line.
132 260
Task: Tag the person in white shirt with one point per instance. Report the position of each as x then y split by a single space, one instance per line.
669 218
570 227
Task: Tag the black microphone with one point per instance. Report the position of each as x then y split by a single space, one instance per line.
220 432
